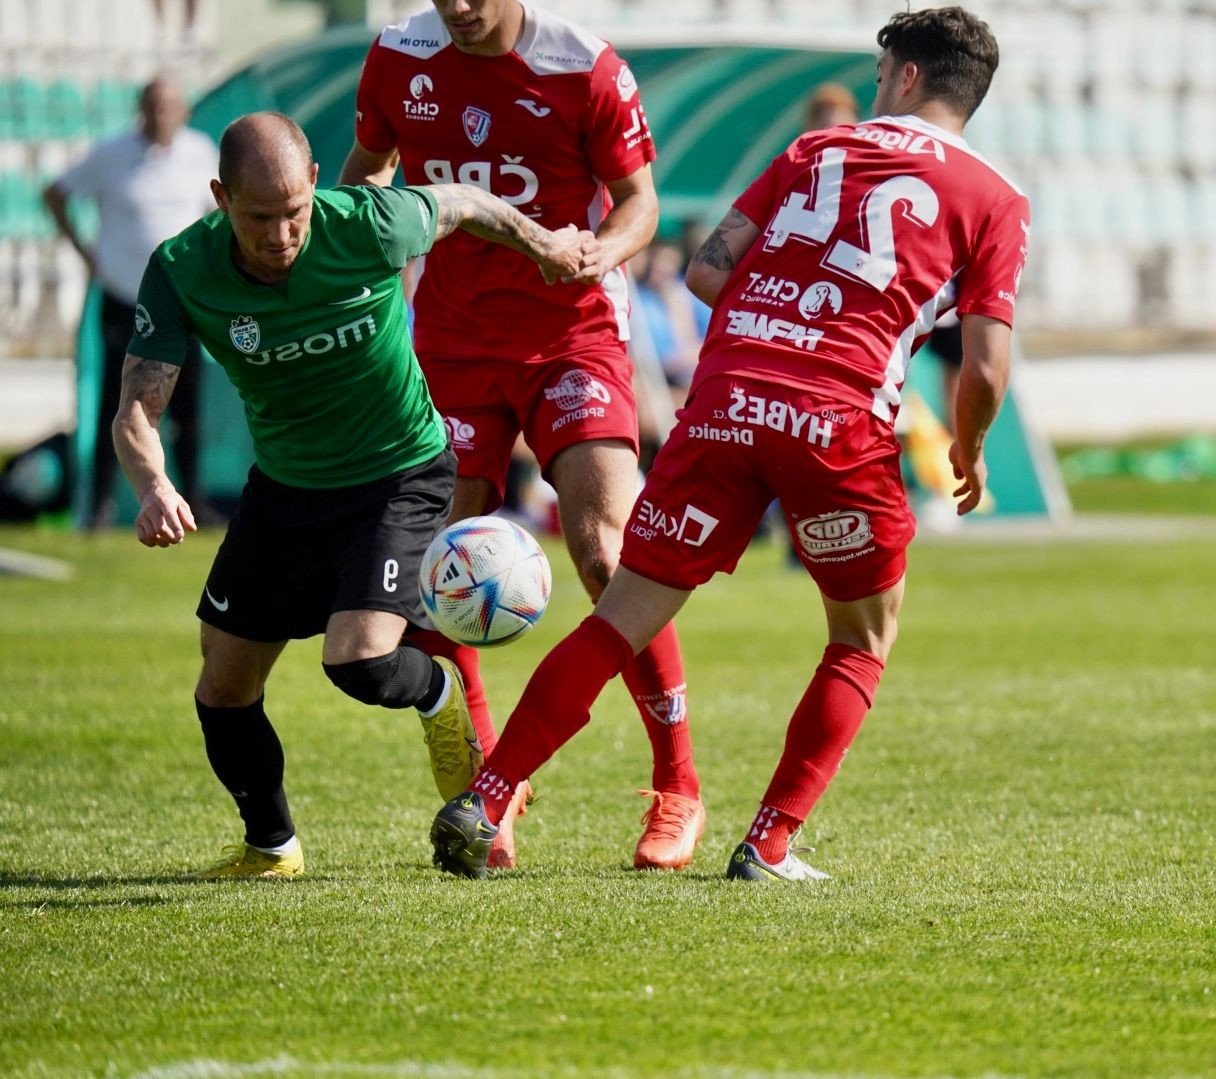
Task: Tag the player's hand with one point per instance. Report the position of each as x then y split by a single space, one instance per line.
164 518
594 265
972 474
562 255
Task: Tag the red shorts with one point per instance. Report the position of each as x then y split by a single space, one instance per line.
740 443
556 404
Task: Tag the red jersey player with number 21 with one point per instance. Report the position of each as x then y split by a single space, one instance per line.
824 278
510 98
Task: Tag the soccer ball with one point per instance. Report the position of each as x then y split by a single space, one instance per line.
484 581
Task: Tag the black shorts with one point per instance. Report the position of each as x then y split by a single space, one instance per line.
293 556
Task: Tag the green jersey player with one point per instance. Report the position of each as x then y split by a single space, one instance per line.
297 294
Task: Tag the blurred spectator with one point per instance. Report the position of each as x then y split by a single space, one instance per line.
693 233
148 185
189 22
667 307
946 341
830 104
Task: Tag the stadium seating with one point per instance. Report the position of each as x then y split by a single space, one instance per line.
1104 110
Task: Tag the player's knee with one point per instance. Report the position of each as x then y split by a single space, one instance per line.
595 565
396 680
884 639
367 680
215 690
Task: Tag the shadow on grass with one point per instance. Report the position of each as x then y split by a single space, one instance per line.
37 906
14 881
549 874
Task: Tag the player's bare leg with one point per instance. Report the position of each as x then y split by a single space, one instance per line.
861 634
245 754
596 484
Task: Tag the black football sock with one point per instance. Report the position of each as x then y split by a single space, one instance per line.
247 757
434 690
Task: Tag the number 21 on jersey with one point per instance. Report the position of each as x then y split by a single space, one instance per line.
812 218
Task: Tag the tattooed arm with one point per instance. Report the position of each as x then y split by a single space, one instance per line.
719 255
164 516
463 206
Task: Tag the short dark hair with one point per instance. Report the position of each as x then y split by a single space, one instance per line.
955 50
248 140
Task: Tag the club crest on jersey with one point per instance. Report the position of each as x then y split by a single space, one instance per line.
143 322
476 125
245 334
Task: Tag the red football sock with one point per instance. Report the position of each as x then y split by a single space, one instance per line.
467 661
656 680
555 706
823 726
770 833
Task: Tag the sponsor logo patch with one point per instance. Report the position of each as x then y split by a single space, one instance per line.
563 61
576 389
825 538
352 333
780 416
818 296
708 433
461 433
692 526
901 140
576 393
761 327
626 84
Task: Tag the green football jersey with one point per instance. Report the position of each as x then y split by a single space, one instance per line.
323 360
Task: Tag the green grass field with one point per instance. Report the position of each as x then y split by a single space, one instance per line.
1021 840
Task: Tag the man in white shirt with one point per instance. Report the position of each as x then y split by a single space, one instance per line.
148 184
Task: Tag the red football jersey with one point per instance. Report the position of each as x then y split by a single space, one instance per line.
869 232
543 127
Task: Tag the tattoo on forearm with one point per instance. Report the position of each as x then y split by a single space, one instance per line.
151 383
480 212
715 251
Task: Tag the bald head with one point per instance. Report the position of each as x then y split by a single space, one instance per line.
266 150
162 109
266 185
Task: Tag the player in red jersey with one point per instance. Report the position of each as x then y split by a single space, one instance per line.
824 278
513 99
